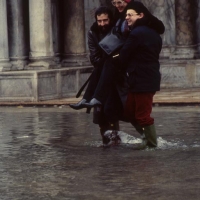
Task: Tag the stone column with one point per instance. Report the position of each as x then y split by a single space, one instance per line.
4 52
90 7
168 18
18 32
198 29
185 30
75 46
56 23
41 35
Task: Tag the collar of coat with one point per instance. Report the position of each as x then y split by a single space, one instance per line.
94 27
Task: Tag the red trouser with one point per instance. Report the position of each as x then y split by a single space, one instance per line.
138 108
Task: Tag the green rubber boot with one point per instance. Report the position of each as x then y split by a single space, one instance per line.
150 135
140 130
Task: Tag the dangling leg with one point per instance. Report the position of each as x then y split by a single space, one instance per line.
89 92
79 105
104 86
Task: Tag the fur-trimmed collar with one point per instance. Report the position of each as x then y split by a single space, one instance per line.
94 27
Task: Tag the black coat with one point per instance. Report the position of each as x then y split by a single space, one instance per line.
140 58
97 56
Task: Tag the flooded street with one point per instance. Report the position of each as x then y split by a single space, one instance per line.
55 153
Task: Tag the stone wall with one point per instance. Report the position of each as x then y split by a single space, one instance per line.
44 53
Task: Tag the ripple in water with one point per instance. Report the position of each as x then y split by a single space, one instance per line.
162 144
131 140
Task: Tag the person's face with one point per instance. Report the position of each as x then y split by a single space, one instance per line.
119 4
132 16
103 22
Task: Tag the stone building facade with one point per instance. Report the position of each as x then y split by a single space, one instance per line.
44 52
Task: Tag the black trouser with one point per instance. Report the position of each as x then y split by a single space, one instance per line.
113 108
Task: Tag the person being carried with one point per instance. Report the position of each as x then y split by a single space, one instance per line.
100 28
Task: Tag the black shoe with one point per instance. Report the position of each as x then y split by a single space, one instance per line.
93 103
111 138
78 105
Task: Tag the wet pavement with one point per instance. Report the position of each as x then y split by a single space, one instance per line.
55 153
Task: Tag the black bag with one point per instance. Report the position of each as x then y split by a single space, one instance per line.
113 41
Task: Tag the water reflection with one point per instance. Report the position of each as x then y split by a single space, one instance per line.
56 153
48 125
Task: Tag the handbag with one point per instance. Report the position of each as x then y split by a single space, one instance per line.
114 40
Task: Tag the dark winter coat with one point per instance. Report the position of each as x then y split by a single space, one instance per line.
140 58
97 56
97 59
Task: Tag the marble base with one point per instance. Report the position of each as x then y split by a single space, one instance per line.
180 73
18 64
42 65
5 66
41 85
165 52
75 60
183 53
38 85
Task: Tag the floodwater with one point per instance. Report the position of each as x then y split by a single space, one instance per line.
55 153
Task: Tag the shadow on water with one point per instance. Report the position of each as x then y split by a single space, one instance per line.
55 153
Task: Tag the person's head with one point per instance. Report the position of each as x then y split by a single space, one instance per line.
136 11
104 18
120 4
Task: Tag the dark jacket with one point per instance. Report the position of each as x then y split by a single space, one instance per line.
97 59
140 58
97 56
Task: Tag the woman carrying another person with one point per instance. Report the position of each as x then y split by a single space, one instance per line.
139 61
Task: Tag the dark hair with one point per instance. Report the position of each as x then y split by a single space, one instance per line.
148 19
139 8
104 10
